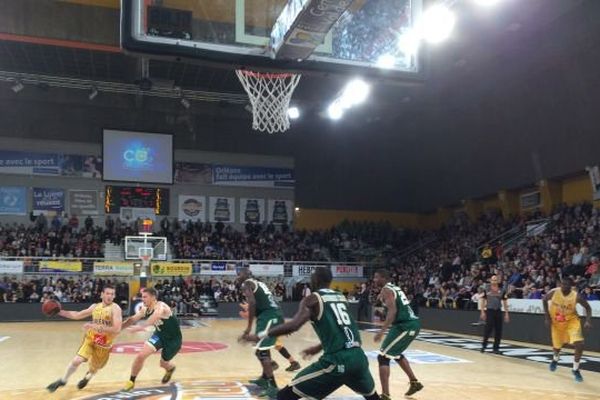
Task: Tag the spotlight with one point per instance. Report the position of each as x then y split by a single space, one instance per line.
335 110
185 102
437 23
93 93
355 92
293 112
297 209
408 43
17 87
386 61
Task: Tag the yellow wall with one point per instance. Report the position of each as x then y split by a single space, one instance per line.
491 203
345 285
577 189
325 219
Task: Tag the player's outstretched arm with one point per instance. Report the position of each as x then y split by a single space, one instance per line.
77 314
588 310
390 303
133 319
545 301
308 308
248 291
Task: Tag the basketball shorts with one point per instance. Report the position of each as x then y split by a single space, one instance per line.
347 367
399 337
95 355
265 322
169 347
567 332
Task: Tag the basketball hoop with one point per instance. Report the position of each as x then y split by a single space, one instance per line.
270 96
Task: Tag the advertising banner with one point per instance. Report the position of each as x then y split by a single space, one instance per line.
220 209
83 202
304 270
232 175
30 163
347 271
60 266
198 173
266 269
192 208
11 267
13 200
280 211
252 211
48 201
113 268
534 306
170 269
218 268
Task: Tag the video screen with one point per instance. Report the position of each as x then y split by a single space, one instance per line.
137 157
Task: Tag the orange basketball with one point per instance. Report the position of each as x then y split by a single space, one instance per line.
51 308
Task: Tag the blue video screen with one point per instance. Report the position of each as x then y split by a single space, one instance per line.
137 157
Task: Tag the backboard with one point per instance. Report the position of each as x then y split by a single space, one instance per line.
366 39
153 246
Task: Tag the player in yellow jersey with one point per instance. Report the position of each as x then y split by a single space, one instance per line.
97 341
564 321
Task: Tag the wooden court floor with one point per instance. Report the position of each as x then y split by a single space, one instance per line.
35 354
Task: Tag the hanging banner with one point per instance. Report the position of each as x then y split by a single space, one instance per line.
232 175
13 200
170 269
218 268
113 268
48 201
198 173
266 269
192 208
531 200
280 211
220 209
83 202
29 163
595 179
60 266
252 211
11 267
305 270
347 271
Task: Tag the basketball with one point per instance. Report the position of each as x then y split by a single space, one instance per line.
51 308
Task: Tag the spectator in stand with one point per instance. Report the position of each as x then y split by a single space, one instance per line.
589 294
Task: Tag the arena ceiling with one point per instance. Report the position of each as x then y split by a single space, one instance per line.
510 99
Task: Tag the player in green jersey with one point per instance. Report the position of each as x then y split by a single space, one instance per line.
343 361
166 337
404 327
262 305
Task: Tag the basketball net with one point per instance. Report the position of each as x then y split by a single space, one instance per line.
270 96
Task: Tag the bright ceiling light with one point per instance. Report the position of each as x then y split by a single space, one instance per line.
335 110
408 43
293 112
487 3
355 92
437 23
386 61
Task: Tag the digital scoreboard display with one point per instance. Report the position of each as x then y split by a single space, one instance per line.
138 197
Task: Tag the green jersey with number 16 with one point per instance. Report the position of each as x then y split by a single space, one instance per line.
334 326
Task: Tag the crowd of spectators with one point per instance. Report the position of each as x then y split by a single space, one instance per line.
449 269
66 289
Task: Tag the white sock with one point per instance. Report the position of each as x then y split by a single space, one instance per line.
575 365
70 369
89 375
556 357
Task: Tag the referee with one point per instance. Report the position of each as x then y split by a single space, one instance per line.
491 313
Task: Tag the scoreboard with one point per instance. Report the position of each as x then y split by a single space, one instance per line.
139 197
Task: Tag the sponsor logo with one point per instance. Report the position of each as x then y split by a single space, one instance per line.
186 347
193 390
423 357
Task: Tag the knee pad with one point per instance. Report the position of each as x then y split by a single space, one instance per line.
383 360
263 354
